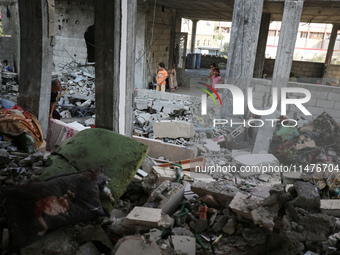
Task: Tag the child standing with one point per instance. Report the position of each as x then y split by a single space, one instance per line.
216 78
161 76
212 68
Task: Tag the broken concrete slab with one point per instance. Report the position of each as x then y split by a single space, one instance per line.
173 129
223 191
88 249
94 147
185 244
169 195
256 164
330 207
265 216
144 216
229 227
58 242
137 246
242 204
307 196
170 151
211 145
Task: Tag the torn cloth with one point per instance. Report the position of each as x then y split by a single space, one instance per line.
16 121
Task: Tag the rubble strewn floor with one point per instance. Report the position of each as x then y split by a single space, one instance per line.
285 203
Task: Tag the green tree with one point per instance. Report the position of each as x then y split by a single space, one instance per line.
219 37
224 49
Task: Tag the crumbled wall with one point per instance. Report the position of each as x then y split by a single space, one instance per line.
9 45
6 49
302 69
72 20
159 51
323 98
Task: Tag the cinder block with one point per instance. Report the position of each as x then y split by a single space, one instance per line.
334 96
325 104
337 106
173 129
144 216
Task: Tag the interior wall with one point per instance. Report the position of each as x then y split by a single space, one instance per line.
158 34
72 20
140 48
10 45
323 98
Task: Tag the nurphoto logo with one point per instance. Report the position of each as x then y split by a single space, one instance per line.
238 99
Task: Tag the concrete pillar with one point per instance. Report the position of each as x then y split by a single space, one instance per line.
36 60
193 35
115 28
172 37
261 46
283 63
285 50
331 44
242 48
330 50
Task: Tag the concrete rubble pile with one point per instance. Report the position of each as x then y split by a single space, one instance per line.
10 90
183 216
79 87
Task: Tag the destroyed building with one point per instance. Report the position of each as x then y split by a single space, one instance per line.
154 201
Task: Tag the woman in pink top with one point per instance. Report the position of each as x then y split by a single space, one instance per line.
215 79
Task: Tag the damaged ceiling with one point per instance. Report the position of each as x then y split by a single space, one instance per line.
313 11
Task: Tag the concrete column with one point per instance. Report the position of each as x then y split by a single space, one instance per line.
331 44
172 37
330 50
285 50
283 63
193 35
36 60
242 48
115 28
261 46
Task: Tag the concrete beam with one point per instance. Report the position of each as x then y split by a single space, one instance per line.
242 48
285 50
36 60
115 37
261 46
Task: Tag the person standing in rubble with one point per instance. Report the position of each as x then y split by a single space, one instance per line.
55 89
212 68
161 77
172 79
7 67
216 78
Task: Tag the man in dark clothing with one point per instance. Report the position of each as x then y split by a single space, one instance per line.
55 89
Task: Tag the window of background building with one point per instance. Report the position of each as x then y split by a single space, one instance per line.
208 42
204 42
316 35
303 34
328 36
208 24
271 32
278 33
198 42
